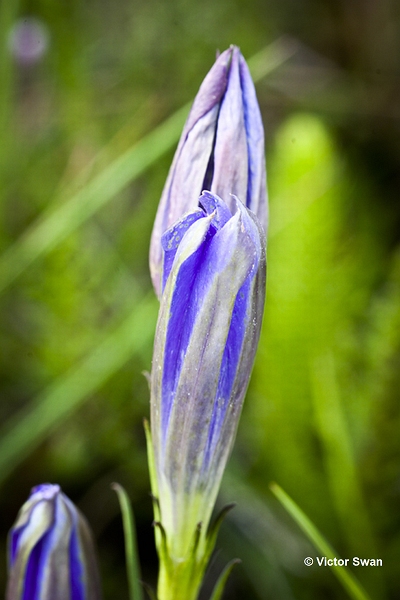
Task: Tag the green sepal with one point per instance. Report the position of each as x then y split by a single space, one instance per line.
156 501
153 482
191 570
193 560
181 579
150 592
131 553
222 579
196 540
213 530
152 467
162 544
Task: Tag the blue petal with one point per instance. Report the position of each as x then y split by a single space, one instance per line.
15 535
76 568
32 578
256 197
234 344
172 238
193 360
213 204
182 316
211 90
187 174
229 366
230 151
53 567
190 284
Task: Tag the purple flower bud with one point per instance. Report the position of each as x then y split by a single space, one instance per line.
206 338
221 149
51 553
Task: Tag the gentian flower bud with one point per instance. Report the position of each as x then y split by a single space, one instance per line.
206 338
221 150
51 553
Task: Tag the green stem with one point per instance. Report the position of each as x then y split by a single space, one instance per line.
179 580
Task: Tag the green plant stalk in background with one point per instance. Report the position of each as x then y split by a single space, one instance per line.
131 552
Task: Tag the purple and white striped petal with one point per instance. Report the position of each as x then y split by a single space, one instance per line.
221 149
256 199
230 172
207 333
51 552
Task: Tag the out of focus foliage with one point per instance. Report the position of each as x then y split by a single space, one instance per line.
86 91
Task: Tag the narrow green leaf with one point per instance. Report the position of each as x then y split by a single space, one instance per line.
344 575
131 553
31 425
222 579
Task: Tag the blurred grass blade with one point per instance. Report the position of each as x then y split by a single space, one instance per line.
272 57
339 457
31 425
132 558
58 222
346 578
62 218
222 579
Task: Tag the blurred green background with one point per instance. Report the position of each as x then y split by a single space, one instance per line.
90 114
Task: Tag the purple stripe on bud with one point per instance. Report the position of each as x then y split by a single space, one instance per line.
51 553
221 149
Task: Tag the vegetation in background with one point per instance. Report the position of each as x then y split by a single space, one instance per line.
87 135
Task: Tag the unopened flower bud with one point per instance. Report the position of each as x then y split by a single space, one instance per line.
207 333
51 552
221 150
